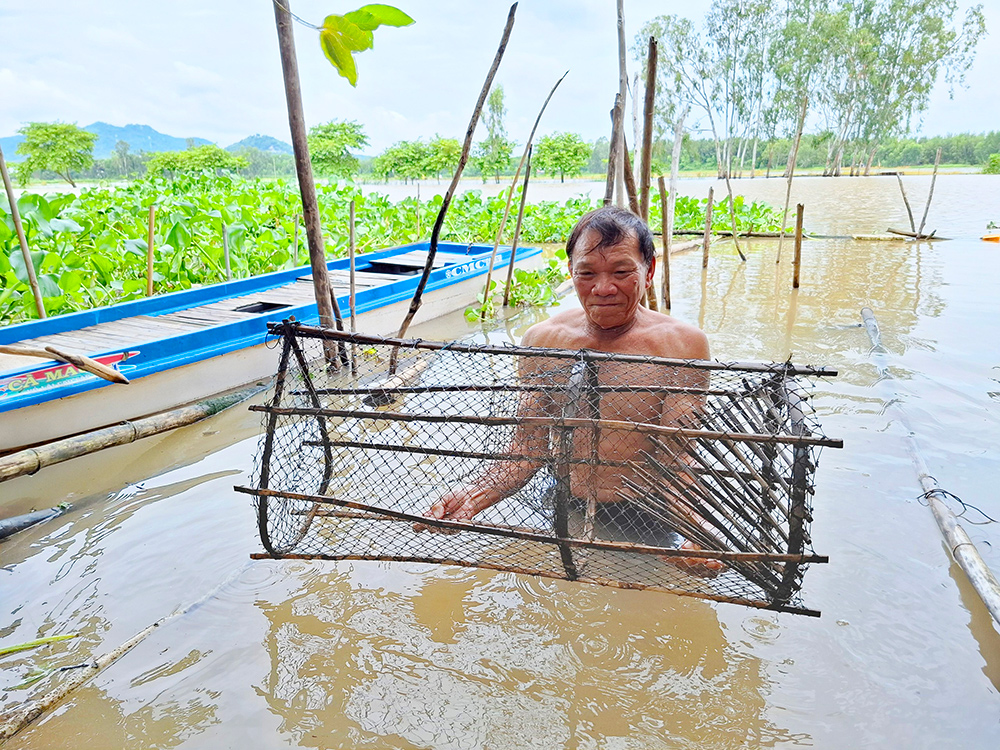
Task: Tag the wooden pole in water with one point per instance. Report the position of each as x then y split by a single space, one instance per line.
618 148
963 550
647 130
707 237
630 192
517 232
351 251
665 234
792 159
616 125
149 250
906 202
930 195
510 193
16 215
225 252
450 192
797 263
329 311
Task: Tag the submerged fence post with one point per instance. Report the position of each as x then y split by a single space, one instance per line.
707 238
799 210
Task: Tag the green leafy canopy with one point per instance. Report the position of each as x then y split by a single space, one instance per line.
342 36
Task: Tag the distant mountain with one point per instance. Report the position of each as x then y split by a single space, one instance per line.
138 137
262 142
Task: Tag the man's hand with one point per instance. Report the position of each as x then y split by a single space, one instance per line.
457 505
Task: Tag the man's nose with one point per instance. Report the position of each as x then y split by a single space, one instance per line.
605 286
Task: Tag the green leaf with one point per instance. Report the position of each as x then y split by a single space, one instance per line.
338 54
136 247
49 286
353 36
385 15
65 225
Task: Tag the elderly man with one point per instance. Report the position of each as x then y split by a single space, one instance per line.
611 260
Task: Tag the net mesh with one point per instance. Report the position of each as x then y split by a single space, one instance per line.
623 470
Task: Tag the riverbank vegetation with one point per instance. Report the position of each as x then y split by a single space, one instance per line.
89 249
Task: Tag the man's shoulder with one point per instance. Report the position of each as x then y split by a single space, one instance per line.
555 332
666 336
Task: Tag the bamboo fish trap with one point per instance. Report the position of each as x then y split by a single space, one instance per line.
608 463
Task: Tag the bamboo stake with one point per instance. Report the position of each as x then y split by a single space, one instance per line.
295 240
665 222
351 250
797 263
149 250
618 147
418 214
616 125
225 252
16 215
792 158
463 159
930 195
647 130
962 548
32 460
630 191
906 202
510 192
707 236
326 303
517 232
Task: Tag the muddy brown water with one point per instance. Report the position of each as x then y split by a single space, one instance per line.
373 655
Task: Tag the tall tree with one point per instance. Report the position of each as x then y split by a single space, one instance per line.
493 154
330 147
562 153
59 147
443 155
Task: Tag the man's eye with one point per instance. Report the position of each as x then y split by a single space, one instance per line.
622 274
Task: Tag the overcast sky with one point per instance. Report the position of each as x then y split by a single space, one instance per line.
210 68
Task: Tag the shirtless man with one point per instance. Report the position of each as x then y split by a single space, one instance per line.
611 260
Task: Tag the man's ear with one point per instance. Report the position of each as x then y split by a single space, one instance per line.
650 271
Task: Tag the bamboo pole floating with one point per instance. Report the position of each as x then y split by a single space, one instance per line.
707 236
77 360
326 302
649 107
16 215
962 549
797 263
149 249
906 202
450 192
32 460
510 192
225 252
665 221
930 195
517 234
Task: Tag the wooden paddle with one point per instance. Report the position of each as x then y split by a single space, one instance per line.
77 360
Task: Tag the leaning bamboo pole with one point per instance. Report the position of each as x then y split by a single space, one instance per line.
792 159
32 460
707 235
16 215
517 236
450 192
797 263
645 176
510 192
963 550
930 195
665 220
906 202
79 361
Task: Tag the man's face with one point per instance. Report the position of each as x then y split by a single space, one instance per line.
610 281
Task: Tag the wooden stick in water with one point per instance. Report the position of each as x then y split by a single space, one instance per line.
797 262
665 223
351 250
647 131
149 250
930 195
19 229
616 124
707 237
906 202
517 233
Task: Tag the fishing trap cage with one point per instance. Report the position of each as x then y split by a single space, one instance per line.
693 477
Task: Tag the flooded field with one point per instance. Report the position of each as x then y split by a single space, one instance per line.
372 655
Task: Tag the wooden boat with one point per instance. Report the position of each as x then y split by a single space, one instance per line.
992 237
180 347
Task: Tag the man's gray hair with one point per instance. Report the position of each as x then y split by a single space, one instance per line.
613 225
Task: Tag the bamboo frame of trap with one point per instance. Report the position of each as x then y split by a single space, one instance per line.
737 481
